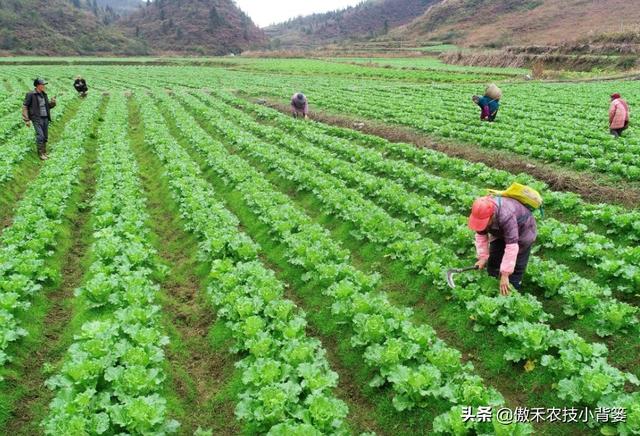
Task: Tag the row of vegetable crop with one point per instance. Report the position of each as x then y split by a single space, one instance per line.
565 132
410 358
519 105
582 371
29 241
112 377
287 380
614 264
9 106
621 223
580 295
509 133
328 69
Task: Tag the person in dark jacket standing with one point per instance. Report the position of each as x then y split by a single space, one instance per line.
299 106
505 232
36 109
81 86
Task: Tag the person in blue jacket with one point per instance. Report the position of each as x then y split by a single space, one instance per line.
489 103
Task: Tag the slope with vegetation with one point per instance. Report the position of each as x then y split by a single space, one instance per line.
60 27
366 20
521 22
214 27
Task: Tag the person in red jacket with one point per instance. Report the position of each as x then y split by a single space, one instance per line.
505 232
618 115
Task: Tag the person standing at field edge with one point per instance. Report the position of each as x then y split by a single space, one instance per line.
36 109
299 106
618 115
505 232
489 103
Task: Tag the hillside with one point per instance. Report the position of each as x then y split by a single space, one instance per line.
366 20
62 27
212 27
499 23
121 6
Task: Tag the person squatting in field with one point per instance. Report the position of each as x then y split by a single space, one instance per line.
299 105
618 115
489 103
36 109
81 86
505 232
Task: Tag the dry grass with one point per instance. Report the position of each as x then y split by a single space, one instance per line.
501 21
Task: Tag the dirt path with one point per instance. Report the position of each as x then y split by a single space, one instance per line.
29 394
201 370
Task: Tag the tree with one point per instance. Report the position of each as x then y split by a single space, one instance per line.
215 19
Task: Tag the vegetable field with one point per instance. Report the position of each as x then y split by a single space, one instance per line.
191 260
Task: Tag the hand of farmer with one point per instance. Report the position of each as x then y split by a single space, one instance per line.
504 284
481 263
27 123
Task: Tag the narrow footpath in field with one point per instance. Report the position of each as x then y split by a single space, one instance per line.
25 397
203 380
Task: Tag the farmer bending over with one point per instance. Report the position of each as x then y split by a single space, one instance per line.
489 103
505 232
299 106
36 109
81 86
618 115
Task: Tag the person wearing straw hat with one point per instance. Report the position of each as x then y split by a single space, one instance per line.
505 232
618 115
36 109
489 103
299 106
81 86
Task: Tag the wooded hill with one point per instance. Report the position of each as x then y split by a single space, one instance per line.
366 20
211 27
124 27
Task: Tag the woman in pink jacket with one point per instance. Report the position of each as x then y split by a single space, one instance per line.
618 115
505 232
